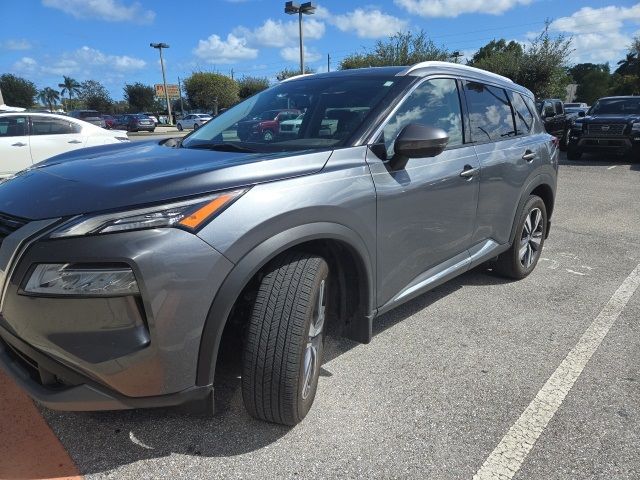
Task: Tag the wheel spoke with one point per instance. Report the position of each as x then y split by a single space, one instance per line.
537 216
527 225
523 252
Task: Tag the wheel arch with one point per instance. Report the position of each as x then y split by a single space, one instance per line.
542 186
341 246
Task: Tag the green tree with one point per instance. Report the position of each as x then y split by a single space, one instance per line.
211 91
139 96
594 85
249 86
627 75
624 85
541 67
403 48
49 96
580 70
498 47
17 91
290 72
70 86
95 96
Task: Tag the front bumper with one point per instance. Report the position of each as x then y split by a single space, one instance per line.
120 352
619 144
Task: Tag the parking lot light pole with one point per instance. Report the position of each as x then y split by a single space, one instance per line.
307 8
160 46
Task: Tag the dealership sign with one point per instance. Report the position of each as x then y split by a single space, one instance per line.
172 90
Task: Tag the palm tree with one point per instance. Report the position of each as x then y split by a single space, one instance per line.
49 96
69 86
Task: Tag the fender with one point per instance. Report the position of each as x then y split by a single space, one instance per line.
251 263
540 179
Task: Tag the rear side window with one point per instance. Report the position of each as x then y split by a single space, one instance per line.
434 103
13 126
524 117
489 112
52 126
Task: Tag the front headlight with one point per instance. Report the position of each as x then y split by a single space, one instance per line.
189 215
69 279
635 127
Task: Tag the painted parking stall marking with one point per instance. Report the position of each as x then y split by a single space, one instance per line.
507 458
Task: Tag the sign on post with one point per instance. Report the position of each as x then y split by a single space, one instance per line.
172 90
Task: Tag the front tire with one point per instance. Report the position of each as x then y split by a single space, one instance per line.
564 141
179 127
520 260
285 339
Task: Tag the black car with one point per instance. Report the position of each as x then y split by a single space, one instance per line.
556 121
611 125
135 123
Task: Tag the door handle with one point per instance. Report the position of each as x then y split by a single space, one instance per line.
19 144
468 171
529 156
74 141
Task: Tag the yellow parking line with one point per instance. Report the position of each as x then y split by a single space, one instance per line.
29 450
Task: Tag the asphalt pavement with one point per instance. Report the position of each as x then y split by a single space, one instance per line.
445 378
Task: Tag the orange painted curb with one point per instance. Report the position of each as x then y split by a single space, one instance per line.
29 450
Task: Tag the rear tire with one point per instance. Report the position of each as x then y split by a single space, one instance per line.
195 126
179 127
520 260
285 339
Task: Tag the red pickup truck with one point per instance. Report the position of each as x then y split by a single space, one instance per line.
266 125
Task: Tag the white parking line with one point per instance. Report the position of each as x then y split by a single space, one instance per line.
611 167
507 458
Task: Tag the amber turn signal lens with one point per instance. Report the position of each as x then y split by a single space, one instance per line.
205 212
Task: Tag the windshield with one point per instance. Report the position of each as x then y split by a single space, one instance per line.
331 110
617 106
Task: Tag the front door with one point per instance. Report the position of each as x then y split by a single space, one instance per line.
14 144
425 210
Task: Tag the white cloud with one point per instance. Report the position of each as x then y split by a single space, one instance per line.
292 54
368 24
216 50
276 33
108 10
597 35
453 8
25 65
15 44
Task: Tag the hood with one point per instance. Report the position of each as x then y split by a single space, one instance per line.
133 174
610 118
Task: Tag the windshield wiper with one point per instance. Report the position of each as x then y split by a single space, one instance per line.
223 147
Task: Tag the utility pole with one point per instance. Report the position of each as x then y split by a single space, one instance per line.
307 8
328 62
232 74
160 46
181 102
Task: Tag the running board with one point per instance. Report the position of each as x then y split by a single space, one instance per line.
446 271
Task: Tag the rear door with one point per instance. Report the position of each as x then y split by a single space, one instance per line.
506 152
54 135
14 144
426 209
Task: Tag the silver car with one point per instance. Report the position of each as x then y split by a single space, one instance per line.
193 121
126 270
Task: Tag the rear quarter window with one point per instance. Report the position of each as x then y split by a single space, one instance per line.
489 112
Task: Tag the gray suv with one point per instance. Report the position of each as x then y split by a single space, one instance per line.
126 269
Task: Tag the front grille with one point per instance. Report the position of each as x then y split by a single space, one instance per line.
606 129
9 224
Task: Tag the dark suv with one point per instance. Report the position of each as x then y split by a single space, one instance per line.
126 269
612 125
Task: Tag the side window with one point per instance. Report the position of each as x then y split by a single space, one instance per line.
53 126
13 126
434 103
489 112
537 126
559 109
524 118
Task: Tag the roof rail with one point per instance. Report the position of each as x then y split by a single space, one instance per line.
296 76
454 66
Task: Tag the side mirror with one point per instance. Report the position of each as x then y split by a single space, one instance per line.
548 112
420 141
581 113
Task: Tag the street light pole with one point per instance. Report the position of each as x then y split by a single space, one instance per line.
160 46
307 8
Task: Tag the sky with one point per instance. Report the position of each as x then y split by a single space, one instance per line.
108 40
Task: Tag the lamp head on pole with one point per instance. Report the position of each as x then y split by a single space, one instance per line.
291 8
159 45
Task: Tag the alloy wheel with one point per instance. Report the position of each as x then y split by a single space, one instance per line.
531 238
314 341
